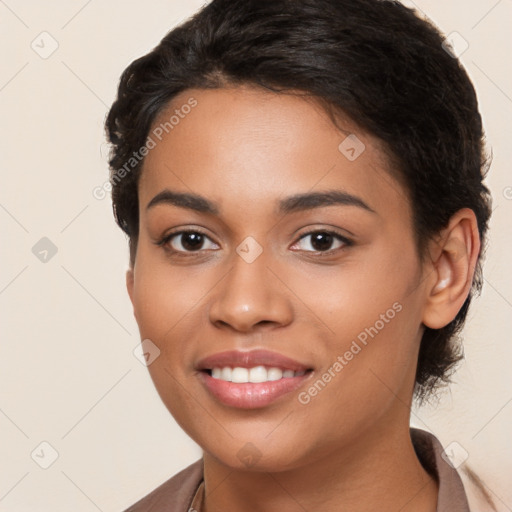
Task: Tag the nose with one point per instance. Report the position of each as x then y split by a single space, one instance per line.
251 298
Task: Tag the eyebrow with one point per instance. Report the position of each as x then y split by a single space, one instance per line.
294 203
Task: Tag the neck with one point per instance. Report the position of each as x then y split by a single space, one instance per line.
377 471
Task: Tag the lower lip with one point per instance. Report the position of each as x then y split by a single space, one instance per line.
251 395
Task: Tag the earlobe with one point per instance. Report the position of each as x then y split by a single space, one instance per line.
452 270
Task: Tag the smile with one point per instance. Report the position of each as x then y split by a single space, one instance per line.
253 379
255 374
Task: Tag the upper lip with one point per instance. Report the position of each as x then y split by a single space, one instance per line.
249 359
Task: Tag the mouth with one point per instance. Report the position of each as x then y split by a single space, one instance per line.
250 380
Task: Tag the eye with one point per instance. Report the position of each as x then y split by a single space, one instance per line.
193 241
187 241
322 241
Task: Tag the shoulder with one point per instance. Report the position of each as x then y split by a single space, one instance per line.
174 495
459 490
451 496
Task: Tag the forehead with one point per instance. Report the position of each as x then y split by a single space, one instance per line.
244 146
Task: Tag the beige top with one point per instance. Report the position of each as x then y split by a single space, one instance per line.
184 492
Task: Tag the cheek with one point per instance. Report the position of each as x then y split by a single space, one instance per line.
165 300
364 295
164 305
164 296
373 313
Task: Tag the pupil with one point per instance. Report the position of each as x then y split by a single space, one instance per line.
192 241
321 241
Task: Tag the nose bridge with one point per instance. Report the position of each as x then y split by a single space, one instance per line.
250 293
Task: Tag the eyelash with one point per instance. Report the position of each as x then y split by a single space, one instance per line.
167 238
346 242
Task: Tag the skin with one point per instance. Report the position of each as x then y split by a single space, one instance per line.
349 447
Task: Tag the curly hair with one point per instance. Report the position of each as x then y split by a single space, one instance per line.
376 62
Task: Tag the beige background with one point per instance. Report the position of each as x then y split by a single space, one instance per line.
68 373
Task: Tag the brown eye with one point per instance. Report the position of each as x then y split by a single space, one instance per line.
192 241
188 241
322 241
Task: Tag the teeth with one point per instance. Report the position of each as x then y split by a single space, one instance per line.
255 374
226 373
240 375
217 373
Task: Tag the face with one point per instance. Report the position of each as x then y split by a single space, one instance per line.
296 252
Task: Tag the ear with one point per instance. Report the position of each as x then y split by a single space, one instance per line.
454 255
129 286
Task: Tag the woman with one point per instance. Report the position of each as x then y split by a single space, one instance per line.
302 188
